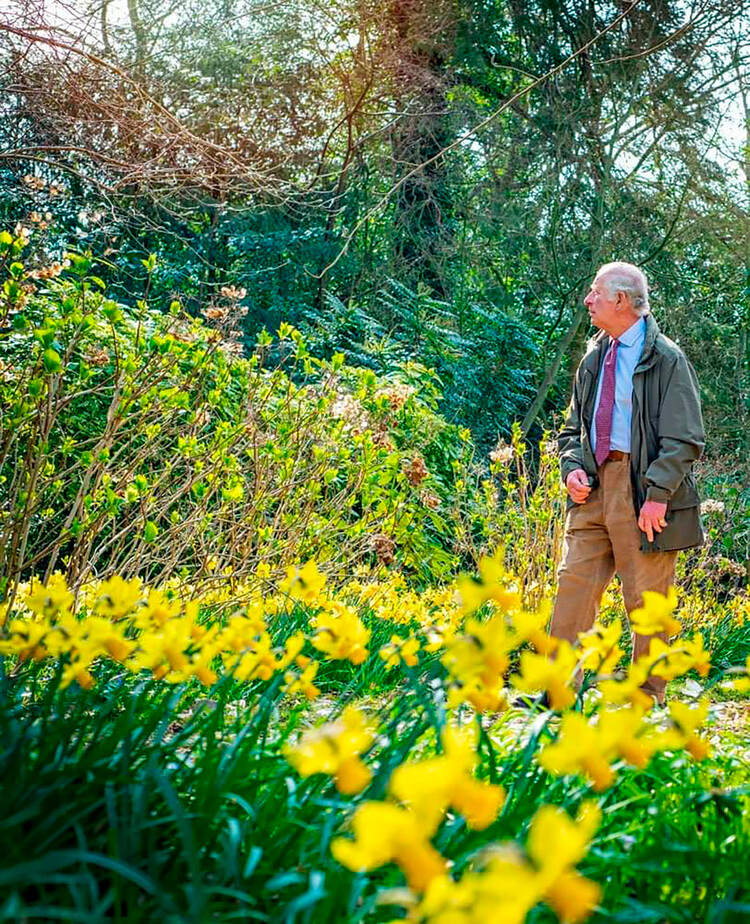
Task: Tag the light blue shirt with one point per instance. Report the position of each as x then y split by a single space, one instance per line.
628 354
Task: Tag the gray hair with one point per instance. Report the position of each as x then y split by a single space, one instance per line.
624 277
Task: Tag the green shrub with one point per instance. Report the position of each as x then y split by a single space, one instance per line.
141 442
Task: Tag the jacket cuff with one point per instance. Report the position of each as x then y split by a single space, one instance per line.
660 495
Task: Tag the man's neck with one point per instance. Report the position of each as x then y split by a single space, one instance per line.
622 327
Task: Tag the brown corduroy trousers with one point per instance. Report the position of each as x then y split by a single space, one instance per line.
602 538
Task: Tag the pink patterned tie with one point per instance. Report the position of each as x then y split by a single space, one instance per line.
603 417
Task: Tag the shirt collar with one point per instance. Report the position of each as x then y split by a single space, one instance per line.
634 334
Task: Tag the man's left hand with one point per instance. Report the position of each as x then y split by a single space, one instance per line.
652 518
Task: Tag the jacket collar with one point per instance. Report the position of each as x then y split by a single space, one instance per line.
650 353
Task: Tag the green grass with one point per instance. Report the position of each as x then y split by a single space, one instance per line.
728 642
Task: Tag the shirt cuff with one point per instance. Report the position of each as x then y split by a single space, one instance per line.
660 495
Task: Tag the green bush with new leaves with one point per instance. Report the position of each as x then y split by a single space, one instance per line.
135 441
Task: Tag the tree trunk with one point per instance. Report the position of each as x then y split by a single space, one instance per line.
139 32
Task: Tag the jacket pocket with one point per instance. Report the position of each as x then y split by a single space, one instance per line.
686 495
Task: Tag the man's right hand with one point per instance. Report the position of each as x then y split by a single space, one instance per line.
578 486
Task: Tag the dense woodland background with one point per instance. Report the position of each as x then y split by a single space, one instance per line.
402 179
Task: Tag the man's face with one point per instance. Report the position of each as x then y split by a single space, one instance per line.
602 306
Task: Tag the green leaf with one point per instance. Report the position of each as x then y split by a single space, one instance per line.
252 861
111 311
36 870
151 531
52 361
80 263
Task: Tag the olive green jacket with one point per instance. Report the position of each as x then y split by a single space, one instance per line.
665 440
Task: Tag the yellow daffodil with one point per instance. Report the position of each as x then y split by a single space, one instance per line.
670 661
292 649
695 651
263 571
554 676
493 583
511 884
241 630
624 732
79 672
439 634
579 749
400 649
600 648
163 651
556 843
588 747
507 888
201 664
116 597
65 636
495 643
573 897
341 634
483 697
335 749
684 655
107 638
26 639
159 609
532 628
51 599
502 893
429 787
257 661
255 616
660 661
687 720
385 833
477 662
305 584
656 614
443 900
483 651
303 682
628 691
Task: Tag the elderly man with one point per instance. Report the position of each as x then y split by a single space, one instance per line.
632 433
